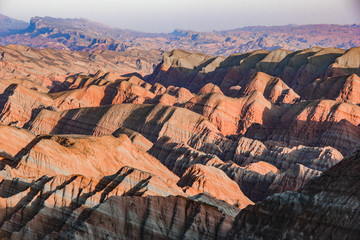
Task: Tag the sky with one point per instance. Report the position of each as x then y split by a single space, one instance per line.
198 15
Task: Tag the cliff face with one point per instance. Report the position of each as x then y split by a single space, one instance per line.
291 73
235 115
272 88
149 218
76 207
318 123
211 180
326 208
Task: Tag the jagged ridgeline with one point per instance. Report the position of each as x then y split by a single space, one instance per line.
85 35
179 145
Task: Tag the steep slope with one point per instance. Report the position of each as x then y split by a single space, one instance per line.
342 88
235 115
293 71
21 101
149 218
178 65
346 64
19 104
48 67
274 62
316 67
326 208
209 88
206 179
68 182
273 89
36 156
256 178
152 121
320 123
250 151
55 200
9 25
59 181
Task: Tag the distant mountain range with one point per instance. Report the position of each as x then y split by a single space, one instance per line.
9 26
83 34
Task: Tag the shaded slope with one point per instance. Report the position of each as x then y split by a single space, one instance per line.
326 208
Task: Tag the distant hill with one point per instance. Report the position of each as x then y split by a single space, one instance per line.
83 34
7 24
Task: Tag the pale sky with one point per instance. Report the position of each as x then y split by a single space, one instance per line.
199 15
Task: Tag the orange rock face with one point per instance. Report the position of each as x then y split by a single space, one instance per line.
273 89
47 67
205 179
312 122
175 154
209 88
262 167
343 88
235 115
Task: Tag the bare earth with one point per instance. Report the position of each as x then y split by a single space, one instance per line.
147 144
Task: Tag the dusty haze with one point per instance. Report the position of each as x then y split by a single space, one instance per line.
200 15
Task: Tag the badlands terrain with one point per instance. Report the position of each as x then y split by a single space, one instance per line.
147 144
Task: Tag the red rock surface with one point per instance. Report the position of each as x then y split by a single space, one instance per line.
297 70
273 89
148 217
308 123
235 115
209 88
48 67
206 179
342 88
261 167
202 136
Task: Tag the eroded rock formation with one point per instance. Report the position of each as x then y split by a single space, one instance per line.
179 153
326 208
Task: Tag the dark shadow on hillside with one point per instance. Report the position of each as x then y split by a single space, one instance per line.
254 185
139 120
343 135
80 121
14 161
86 120
195 79
129 75
234 60
4 97
109 94
237 69
274 68
36 197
